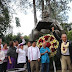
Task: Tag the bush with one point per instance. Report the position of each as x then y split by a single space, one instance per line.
69 35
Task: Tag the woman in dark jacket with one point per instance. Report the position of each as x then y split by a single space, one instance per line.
11 56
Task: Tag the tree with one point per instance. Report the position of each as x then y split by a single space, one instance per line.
58 8
34 8
69 35
11 37
66 26
4 18
42 8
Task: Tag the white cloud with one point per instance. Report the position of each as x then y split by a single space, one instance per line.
27 24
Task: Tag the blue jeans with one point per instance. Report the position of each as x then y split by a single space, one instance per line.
45 66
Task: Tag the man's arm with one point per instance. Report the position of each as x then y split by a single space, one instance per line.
23 41
38 53
49 51
56 36
28 55
44 53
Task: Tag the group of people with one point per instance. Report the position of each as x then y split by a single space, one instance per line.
16 56
9 56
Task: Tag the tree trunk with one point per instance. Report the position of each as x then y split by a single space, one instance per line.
49 7
34 8
42 8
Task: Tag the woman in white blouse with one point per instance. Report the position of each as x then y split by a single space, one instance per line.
2 57
21 56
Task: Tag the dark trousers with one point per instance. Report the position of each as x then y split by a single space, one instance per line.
16 65
21 65
45 66
28 65
1 70
4 66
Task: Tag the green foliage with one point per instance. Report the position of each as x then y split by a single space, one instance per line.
4 18
69 35
26 38
66 26
11 37
59 8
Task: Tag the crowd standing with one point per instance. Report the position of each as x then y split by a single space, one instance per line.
16 56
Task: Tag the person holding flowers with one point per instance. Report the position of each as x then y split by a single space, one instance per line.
64 51
45 51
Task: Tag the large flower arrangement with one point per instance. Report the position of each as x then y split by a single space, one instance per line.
51 41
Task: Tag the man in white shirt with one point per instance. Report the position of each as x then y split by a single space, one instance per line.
34 56
1 43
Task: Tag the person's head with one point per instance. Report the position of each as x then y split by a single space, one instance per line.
64 37
0 47
34 43
5 45
29 44
0 41
21 46
16 43
11 44
44 44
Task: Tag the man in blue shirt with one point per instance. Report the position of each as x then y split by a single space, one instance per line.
45 57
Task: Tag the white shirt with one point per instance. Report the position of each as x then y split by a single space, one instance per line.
2 56
21 56
1 46
26 49
33 53
67 53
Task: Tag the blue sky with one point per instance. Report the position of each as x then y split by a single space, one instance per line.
27 21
